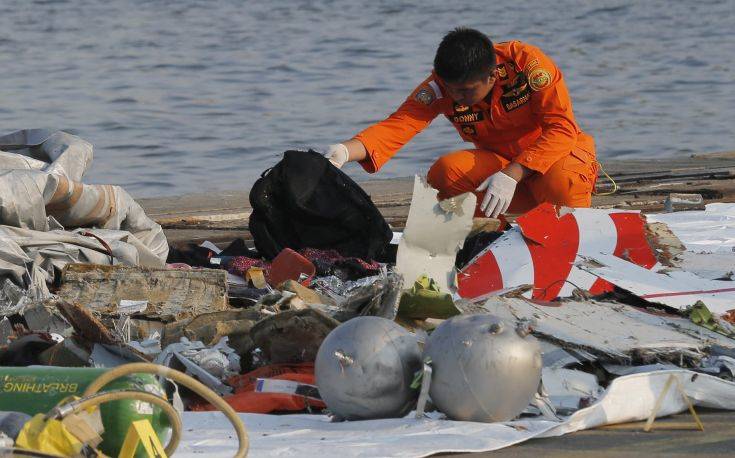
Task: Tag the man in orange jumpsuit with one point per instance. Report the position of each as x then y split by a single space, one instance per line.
511 102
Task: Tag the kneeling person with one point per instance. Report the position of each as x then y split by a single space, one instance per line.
511 102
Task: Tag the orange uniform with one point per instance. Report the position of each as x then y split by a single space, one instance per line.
526 118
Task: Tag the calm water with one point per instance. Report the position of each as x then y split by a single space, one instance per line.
186 95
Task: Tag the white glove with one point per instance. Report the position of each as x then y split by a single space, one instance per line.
500 189
337 155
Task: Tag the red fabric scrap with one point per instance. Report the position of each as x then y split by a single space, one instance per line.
246 399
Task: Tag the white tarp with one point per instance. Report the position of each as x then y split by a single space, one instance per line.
53 152
628 398
33 258
41 195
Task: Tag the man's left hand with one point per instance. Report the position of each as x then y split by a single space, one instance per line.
499 189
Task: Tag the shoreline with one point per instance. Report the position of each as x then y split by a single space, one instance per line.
644 184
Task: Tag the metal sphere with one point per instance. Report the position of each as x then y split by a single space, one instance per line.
483 370
364 369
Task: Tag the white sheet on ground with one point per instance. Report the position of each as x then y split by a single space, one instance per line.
709 237
628 398
708 231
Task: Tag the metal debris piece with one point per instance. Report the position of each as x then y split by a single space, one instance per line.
376 295
69 353
45 316
567 389
293 336
211 365
711 340
674 288
555 357
149 347
102 357
433 236
171 294
721 366
12 298
615 331
541 249
681 201
710 266
708 231
210 328
85 323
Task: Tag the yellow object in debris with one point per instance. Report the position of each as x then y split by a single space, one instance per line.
675 381
141 432
257 276
612 182
48 436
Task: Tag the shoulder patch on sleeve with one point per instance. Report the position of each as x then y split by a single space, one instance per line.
539 78
425 96
531 65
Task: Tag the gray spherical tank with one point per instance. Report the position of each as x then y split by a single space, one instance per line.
483 369
364 369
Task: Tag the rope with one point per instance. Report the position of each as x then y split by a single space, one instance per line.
614 184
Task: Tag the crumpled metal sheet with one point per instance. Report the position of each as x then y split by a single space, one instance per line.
211 365
377 295
604 329
722 366
567 389
12 298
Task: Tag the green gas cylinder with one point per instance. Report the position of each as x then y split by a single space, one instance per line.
37 389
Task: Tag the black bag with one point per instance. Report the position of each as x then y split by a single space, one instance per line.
306 202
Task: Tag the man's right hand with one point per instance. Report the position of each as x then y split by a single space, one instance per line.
337 154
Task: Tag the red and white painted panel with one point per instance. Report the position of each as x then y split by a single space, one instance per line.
541 249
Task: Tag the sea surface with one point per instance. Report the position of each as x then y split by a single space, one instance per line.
193 95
